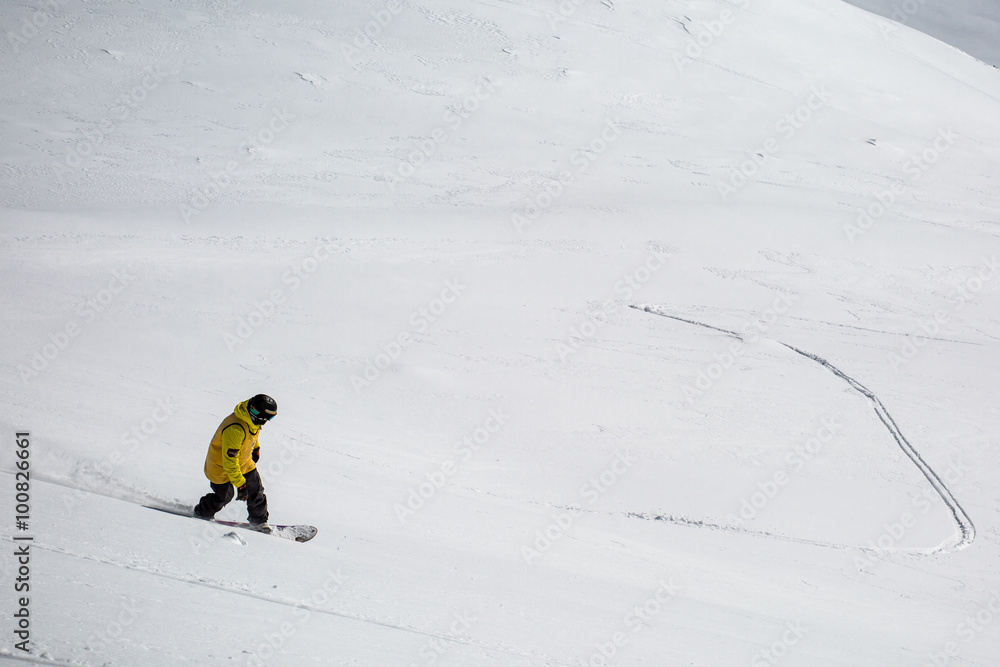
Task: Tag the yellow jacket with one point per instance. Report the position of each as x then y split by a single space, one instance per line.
229 455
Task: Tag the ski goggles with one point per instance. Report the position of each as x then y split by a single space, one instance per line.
258 417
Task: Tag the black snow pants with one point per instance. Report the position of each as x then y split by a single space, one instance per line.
223 493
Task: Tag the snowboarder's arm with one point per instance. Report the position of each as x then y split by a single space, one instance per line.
232 441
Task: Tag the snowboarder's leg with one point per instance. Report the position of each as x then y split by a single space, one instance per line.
213 502
256 500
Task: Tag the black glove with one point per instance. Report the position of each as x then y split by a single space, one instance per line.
241 493
255 455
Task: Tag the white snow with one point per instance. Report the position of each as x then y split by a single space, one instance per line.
485 259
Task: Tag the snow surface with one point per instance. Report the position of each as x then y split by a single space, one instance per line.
643 401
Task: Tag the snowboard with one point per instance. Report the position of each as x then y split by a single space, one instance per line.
298 533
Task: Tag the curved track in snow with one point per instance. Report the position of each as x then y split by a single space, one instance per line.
966 528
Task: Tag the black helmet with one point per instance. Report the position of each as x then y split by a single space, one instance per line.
261 408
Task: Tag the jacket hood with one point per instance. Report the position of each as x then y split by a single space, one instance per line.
244 415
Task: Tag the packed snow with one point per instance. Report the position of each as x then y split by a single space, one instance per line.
602 333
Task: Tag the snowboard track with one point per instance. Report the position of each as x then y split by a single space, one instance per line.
705 524
34 659
966 528
194 580
225 587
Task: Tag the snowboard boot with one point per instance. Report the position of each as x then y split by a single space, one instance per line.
262 527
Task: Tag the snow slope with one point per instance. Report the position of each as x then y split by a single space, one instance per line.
602 333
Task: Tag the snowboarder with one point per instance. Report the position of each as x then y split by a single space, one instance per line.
232 462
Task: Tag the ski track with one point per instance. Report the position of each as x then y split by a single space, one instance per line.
966 528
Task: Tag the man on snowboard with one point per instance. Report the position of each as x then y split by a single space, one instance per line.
232 459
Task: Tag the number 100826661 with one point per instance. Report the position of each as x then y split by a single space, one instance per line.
22 483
